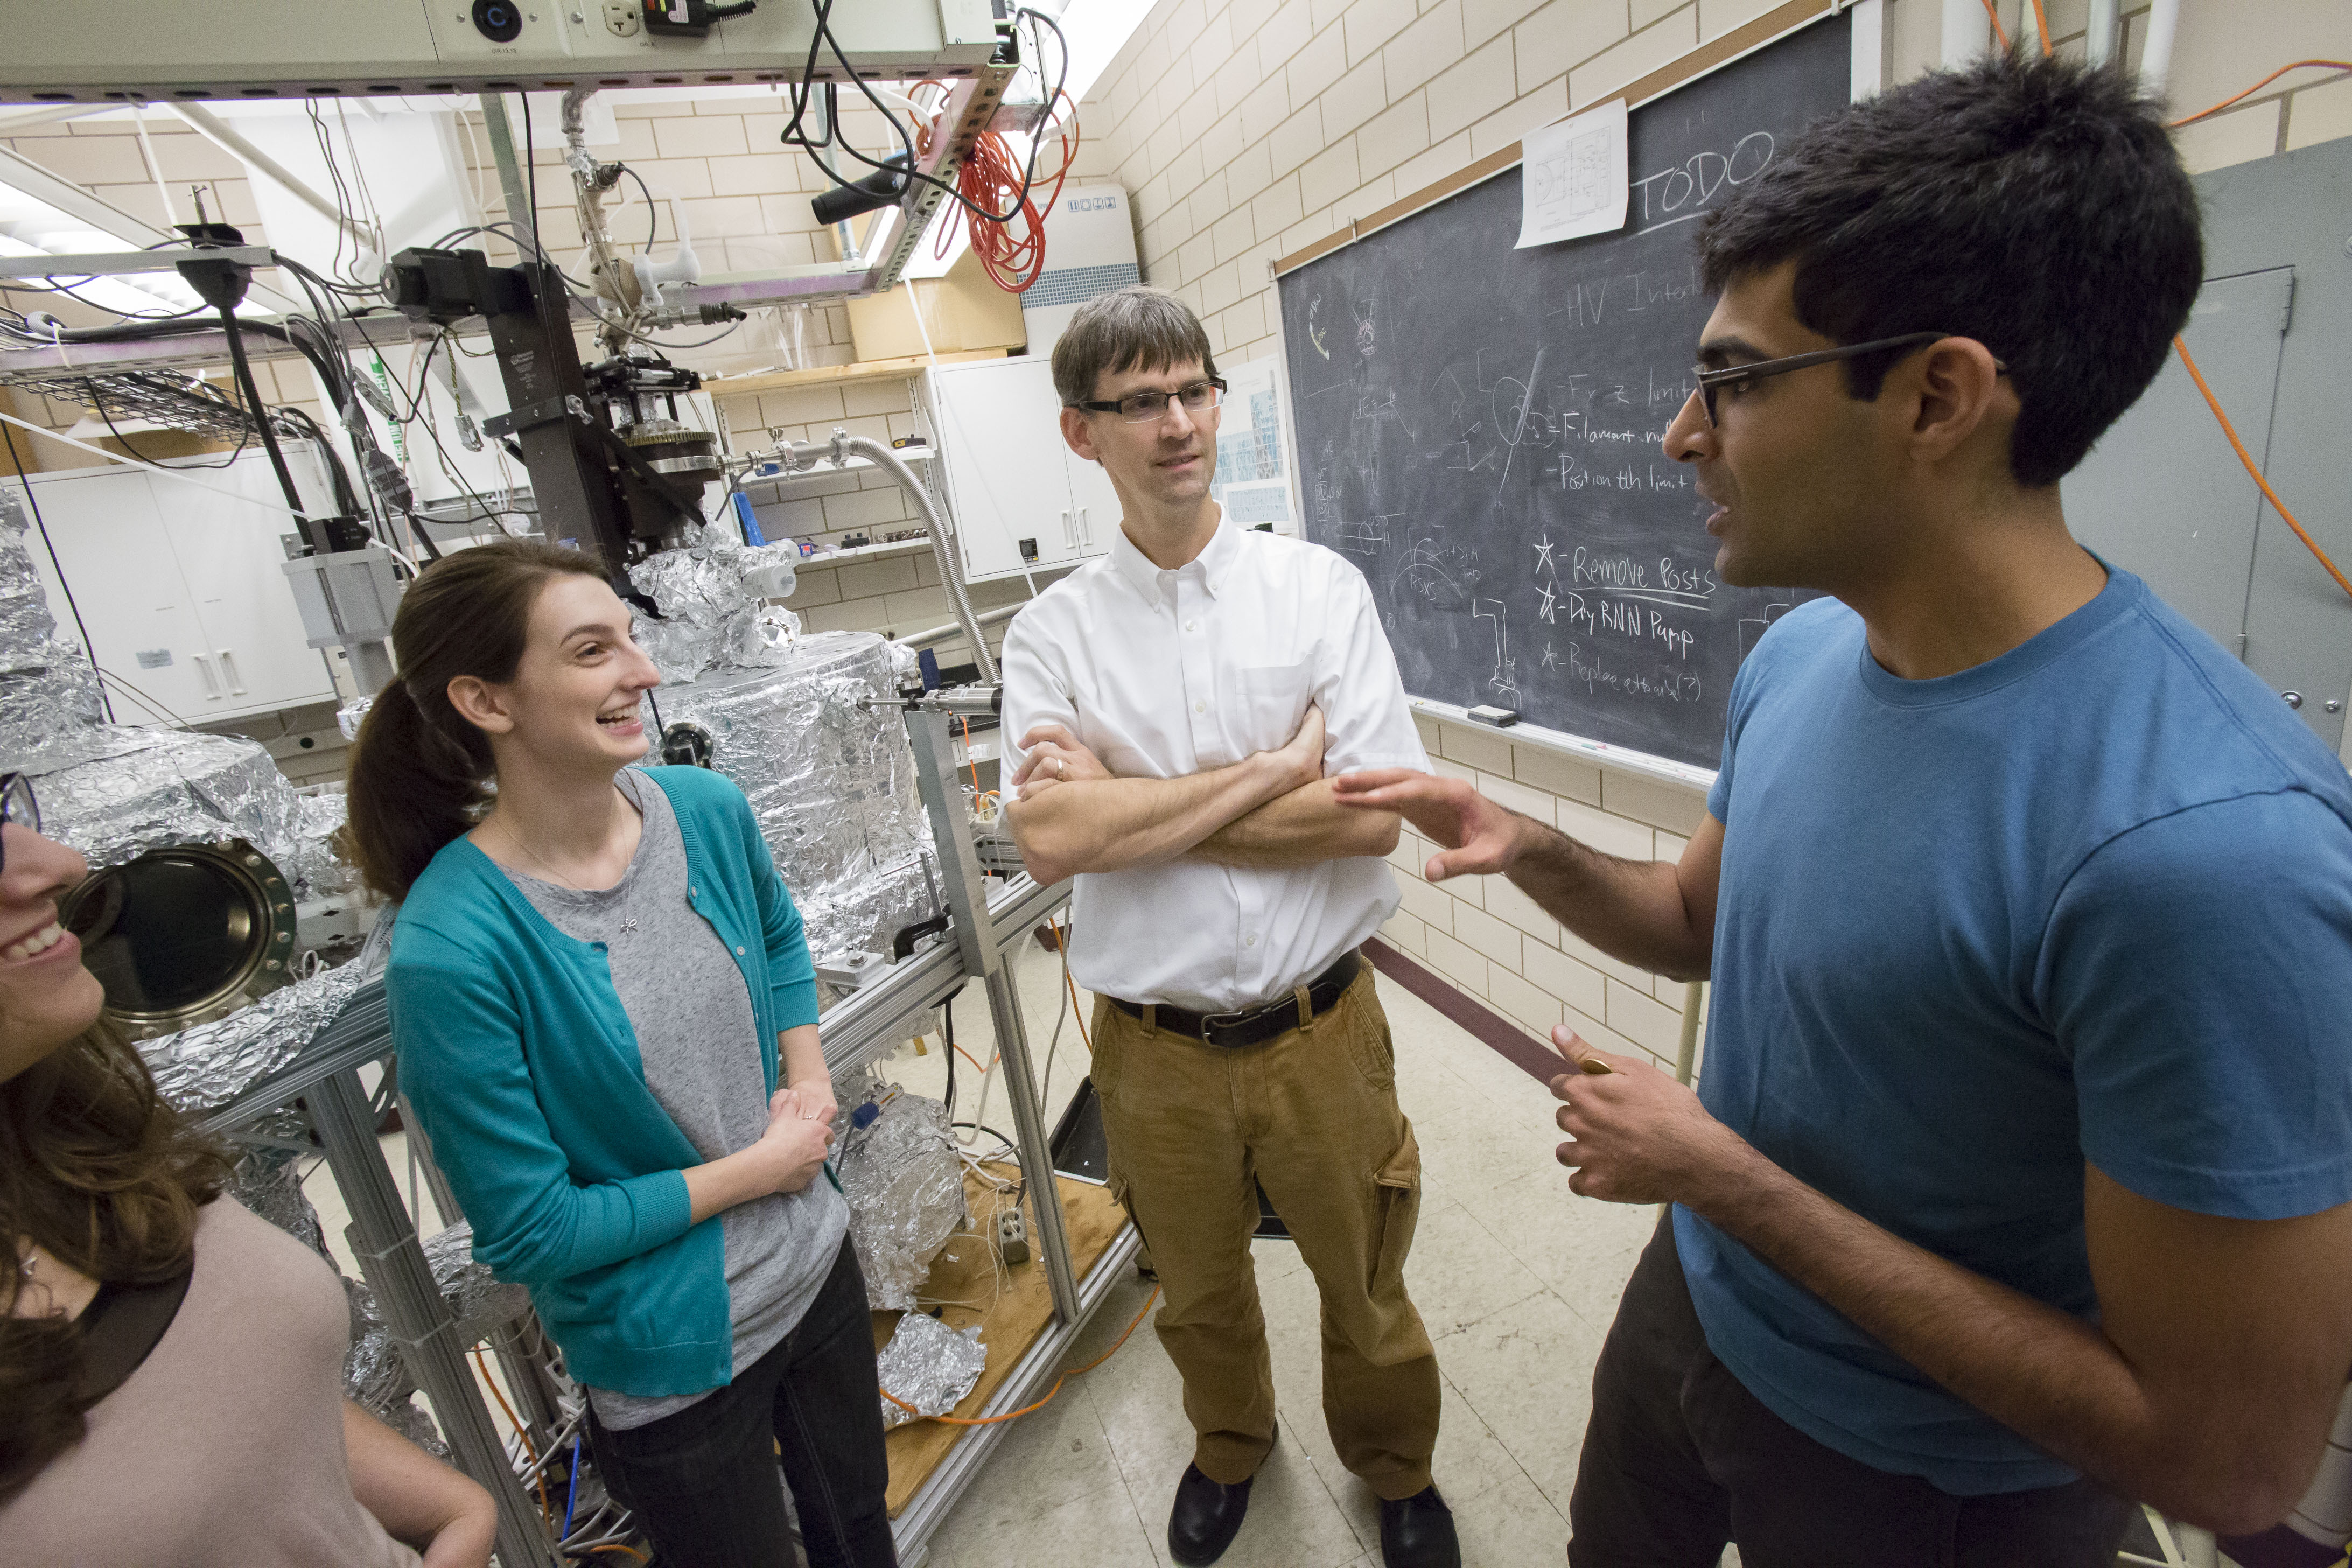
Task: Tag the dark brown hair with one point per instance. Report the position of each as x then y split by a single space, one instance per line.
105 1177
1126 329
419 771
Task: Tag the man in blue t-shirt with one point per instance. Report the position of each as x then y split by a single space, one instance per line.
2016 1189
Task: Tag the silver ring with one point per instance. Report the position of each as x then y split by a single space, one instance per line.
1057 767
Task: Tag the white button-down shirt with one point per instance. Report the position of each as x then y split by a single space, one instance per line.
1164 674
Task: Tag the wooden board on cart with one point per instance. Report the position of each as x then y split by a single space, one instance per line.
1010 1323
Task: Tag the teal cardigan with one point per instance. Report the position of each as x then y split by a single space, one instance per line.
523 1069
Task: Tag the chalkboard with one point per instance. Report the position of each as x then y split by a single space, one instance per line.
1478 428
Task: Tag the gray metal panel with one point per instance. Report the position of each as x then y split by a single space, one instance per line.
2295 209
2162 495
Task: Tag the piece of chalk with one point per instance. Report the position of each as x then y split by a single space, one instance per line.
1501 718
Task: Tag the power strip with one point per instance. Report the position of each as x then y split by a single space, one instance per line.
1012 1236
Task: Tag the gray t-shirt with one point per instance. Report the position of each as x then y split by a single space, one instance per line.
700 1042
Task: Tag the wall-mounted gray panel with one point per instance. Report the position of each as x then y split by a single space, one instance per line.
2162 494
2295 209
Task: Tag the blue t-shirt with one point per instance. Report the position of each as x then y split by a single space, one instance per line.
2089 900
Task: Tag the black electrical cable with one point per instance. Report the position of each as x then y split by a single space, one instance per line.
89 649
984 1126
347 499
1029 175
334 177
531 165
259 415
946 1029
653 213
53 287
243 438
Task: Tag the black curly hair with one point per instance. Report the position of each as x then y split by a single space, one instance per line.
2036 205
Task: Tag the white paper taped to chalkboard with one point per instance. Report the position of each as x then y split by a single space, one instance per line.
1573 177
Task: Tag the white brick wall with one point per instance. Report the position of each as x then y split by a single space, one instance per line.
1246 130
1486 936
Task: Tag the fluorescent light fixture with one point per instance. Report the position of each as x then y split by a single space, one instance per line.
31 227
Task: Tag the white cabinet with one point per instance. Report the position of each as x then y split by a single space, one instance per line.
181 589
1022 499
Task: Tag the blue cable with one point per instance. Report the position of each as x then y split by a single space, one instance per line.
571 1497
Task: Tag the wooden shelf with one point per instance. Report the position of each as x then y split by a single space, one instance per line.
831 375
826 467
1007 1328
882 552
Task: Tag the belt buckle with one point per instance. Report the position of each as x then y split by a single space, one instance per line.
1212 1022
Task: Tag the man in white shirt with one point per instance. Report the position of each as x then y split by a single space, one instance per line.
1181 706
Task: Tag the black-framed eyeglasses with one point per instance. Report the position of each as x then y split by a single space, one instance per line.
1143 407
1738 375
17 808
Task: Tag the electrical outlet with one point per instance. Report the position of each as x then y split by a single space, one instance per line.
1013 1237
622 18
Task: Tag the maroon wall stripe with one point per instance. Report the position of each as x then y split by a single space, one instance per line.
1505 1039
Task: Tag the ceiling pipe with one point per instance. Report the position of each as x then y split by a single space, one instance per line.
213 128
2156 55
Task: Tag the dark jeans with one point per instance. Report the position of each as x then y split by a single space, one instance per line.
705 1478
1680 1459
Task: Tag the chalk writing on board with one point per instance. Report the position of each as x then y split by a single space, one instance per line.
1484 430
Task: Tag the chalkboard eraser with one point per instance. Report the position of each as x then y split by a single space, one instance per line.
1501 718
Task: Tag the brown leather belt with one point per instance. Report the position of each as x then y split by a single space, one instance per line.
1256 1024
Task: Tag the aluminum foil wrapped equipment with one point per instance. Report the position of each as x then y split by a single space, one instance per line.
712 597
48 690
928 1365
115 791
832 784
899 1169
205 1067
130 790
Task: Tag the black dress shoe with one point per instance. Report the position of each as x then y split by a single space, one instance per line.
1418 1532
1207 1516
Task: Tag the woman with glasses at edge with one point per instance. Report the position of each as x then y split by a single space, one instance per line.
171 1366
607 1020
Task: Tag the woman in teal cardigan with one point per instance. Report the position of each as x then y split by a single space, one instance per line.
606 1023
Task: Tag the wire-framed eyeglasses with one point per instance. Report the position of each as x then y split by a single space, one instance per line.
1738 376
1196 397
17 809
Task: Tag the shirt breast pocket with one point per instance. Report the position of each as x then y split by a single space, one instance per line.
1267 703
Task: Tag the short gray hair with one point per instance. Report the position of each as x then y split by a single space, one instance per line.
1128 328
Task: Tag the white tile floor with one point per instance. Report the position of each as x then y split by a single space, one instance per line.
1516 1276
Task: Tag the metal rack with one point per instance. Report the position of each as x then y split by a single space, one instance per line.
990 916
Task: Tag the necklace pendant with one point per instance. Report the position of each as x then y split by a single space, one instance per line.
629 926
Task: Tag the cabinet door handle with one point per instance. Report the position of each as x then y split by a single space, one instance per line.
203 664
229 669
1086 529
1069 536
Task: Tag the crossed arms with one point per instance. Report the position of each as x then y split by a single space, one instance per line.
1272 808
2207 1387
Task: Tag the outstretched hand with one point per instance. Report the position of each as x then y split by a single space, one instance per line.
1480 838
1636 1135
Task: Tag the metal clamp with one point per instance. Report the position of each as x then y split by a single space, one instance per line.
531 416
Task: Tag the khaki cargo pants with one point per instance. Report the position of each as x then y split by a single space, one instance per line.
1311 1113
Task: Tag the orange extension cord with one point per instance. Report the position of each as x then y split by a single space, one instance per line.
2041 21
991 180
